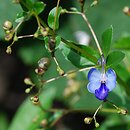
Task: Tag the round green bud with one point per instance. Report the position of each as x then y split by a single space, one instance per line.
97 125
8 50
28 81
8 36
27 90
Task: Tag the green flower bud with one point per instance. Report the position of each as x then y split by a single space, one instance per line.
97 125
122 111
61 72
95 2
9 36
27 90
8 50
28 81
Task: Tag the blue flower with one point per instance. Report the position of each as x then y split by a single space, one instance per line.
101 83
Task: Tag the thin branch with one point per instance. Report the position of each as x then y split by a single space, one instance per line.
66 74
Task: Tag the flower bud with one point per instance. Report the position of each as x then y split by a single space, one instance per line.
44 63
27 90
9 36
28 81
44 31
35 100
7 25
39 71
126 10
44 123
97 125
88 120
95 2
61 72
122 111
8 50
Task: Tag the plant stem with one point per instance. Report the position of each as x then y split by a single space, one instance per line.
90 28
66 74
93 33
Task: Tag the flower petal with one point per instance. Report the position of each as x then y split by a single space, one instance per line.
92 86
111 84
110 74
94 75
102 92
110 79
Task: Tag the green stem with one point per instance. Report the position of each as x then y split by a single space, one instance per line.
66 74
93 33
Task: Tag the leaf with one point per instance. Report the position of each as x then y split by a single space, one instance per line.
123 43
38 7
22 16
33 6
106 40
51 18
114 58
74 57
27 5
3 121
28 116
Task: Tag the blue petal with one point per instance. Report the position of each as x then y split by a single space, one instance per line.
111 84
102 92
94 75
92 86
110 74
110 79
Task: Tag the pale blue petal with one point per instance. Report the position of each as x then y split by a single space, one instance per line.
110 74
94 75
110 79
92 86
111 84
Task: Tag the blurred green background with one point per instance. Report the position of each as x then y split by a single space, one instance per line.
16 110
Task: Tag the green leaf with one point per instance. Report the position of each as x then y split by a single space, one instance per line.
51 18
28 116
27 5
75 57
22 16
3 121
38 7
114 58
123 43
33 6
106 40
